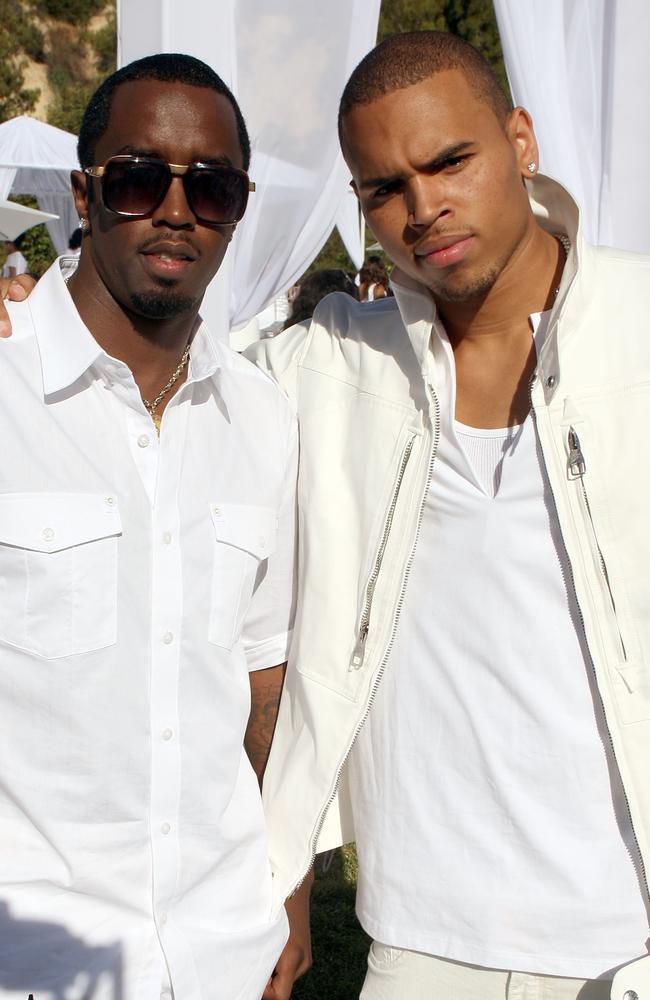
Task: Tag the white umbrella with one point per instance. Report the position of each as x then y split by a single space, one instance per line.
15 219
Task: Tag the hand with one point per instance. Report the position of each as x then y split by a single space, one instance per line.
15 289
295 960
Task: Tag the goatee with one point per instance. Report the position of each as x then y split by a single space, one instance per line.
154 305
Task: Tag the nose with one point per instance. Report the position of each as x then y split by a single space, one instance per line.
425 200
174 210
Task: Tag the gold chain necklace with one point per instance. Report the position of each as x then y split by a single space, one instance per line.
152 405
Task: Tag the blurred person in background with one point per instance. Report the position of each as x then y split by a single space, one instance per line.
315 287
15 263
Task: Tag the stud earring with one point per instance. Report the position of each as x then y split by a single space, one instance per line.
84 225
532 166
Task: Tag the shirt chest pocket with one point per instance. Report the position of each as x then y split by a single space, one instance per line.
58 572
244 536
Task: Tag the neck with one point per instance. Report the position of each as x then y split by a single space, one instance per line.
527 284
151 348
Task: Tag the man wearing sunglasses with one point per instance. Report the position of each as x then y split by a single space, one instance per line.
147 521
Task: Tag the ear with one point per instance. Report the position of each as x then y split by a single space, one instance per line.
521 134
354 188
79 182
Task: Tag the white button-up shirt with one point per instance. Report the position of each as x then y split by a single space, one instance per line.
140 580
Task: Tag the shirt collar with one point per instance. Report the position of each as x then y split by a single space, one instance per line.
66 346
68 349
555 210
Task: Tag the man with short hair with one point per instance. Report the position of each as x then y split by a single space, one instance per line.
147 521
472 634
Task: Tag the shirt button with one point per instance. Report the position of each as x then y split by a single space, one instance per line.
168 638
48 534
167 537
165 828
143 441
216 511
110 501
167 734
550 381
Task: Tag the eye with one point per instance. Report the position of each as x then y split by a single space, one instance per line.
392 187
454 162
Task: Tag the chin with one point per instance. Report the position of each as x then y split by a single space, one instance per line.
468 288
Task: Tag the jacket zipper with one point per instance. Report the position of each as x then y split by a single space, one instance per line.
364 624
577 461
398 611
578 468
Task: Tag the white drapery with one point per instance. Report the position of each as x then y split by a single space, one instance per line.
581 68
36 159
287 63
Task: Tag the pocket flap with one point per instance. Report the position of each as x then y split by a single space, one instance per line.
49 522
253 529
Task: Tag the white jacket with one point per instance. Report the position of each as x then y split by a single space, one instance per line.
369 429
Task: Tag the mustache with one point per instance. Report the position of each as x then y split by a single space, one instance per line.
169 237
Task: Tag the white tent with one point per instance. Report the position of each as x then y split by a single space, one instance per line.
36 159
581 68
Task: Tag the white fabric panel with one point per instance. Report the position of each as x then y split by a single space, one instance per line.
350 226
41 158
580 67
7 175
287 64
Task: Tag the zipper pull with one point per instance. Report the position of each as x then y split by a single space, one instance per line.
359 649
577 464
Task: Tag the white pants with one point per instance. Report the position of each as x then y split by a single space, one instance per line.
394 974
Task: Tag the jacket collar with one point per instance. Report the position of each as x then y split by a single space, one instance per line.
555 211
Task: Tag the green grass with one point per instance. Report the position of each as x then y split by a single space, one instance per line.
339 945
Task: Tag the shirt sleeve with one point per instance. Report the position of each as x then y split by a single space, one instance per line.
267 628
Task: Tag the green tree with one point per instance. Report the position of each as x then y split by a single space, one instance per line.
15 98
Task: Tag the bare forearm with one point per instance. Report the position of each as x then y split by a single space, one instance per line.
266 688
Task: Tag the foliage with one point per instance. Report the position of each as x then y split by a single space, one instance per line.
73 11
15 40
68 104
79 61
36 245
104 43
333 254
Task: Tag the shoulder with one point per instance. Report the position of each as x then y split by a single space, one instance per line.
253 390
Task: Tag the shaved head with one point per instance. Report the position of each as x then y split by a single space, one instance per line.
403 60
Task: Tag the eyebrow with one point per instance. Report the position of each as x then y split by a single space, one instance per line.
438 161
131 150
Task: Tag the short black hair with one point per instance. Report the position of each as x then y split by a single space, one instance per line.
315 287
168 67
403 60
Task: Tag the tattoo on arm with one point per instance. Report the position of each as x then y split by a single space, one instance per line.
266 688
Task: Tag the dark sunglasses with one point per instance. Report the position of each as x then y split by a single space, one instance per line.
135 186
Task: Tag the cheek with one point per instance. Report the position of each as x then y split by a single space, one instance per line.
389 224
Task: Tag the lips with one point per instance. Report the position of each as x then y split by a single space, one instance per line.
168 258
444 251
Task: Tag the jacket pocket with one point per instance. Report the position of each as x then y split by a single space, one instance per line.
244 537
58 572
